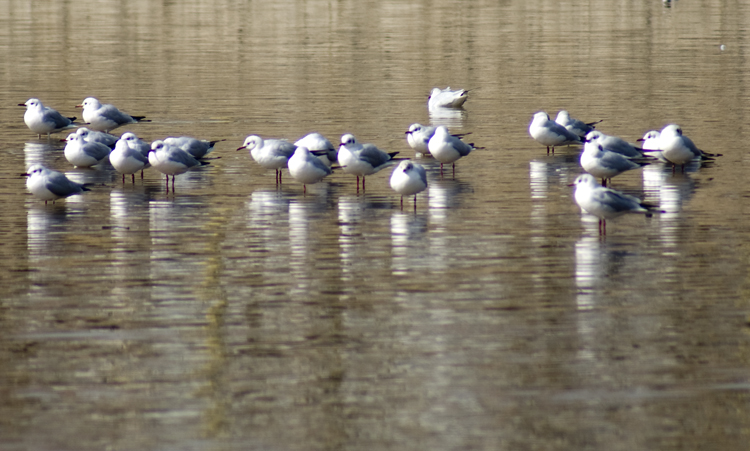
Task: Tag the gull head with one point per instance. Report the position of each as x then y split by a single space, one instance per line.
593 136
671 130
90 103
32 103
251 142
157 145
585 180
348 140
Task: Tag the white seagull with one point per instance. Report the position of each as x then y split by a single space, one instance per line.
100 137
317 143
418 136
105 117
614 144
306 168
409 178
576 126
447 148
550 133
361 159
605 203
445 98
84 154
47 184
130 155
44 120
198 148
677 148
170 160
269 153
604 163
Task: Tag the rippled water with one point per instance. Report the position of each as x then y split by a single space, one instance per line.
235 314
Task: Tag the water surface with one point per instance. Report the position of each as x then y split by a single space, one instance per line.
232 313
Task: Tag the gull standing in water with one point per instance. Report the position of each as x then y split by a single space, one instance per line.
269 153
84 154
170 160
198 148
445 98
409 178
130 155
100 137
677 148
576 126
614 144
605 203
550 133
317 143
605 164
105 117
306 168
447 148
361 159
418 136
44 120
47 184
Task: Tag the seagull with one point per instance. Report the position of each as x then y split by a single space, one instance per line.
447 148
47 184
269 153
84 154
105 117
171 160
580 128
315 142
198 148
445 98
361 159
44 120
650 140
100 137
604 163
409 178
306 168
550 133
418 136
614 144
677 148
605 203
130 155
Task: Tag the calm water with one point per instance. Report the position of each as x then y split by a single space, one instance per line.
232 314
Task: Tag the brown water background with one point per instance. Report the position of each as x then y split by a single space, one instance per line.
233 314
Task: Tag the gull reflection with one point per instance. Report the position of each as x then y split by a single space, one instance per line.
43 153
350 212
408 238
450 117
670 192
128 221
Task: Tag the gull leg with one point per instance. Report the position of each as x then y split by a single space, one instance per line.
133 176
363 183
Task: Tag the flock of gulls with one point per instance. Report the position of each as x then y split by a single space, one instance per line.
309 160
313 157
606 156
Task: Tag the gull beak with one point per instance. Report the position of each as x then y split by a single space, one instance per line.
21 104
640 139
25 174
79 106
240 148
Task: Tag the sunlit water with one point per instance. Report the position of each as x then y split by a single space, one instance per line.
232 313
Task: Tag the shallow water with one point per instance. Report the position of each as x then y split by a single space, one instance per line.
232 313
